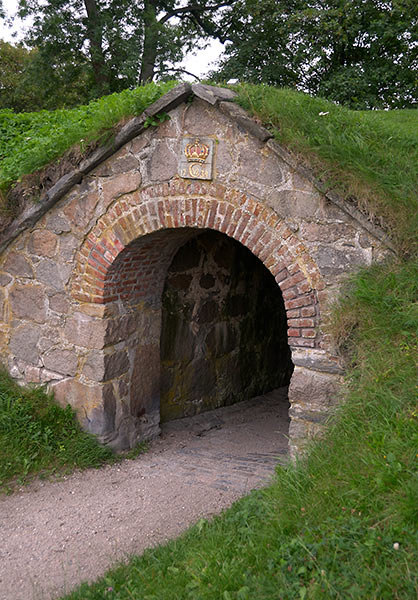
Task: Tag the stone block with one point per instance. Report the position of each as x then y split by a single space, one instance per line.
68 246
59 303
94 310
43 243
119 328
316 360
145 382
244 121
23 343
208 312
48 376
334 261
5 279
45 343
170 100
296 205
314 391
164 162
259 166
103 367
52 273
93 404
221 339
119 185
122 163
17 265
81 208
28 302
211 93
61 361
324 233
32 374
304 430
83 330
58 224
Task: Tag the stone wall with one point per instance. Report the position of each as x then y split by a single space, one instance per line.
80 302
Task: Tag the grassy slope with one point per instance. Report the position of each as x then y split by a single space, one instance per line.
29 141
369 155
36 436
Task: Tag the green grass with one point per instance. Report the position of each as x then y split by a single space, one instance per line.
29 141
329 526
38 436
369 155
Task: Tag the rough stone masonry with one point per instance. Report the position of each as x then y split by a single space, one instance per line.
83 273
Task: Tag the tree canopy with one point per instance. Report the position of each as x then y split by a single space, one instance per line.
363 53
111 45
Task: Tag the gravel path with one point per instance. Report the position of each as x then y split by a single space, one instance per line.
56 534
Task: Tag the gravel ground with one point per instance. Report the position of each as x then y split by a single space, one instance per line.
56 534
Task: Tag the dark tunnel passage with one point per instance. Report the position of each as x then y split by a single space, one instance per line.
224 328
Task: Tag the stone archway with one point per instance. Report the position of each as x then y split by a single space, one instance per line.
122 266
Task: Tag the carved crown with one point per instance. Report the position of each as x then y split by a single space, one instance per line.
197 151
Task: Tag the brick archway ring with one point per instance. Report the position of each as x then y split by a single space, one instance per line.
181 204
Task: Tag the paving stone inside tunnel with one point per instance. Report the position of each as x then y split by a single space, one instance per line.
224 329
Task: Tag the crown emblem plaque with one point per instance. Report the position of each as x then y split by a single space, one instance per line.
196 160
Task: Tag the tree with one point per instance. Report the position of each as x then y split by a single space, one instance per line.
21 87
13 62
116 43
363 53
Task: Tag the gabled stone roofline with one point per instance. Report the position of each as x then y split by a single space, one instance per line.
221 97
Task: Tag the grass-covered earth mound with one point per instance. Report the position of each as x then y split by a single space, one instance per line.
342 522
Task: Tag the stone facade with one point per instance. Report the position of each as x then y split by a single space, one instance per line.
81 287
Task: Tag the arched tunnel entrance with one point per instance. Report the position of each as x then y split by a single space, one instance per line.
234 329
224 328
195 322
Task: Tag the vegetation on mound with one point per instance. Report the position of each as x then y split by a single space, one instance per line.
38 436
29 141
366 156
342 522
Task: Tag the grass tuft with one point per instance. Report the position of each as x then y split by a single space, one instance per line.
38 436
29 141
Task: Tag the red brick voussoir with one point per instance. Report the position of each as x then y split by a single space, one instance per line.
181 204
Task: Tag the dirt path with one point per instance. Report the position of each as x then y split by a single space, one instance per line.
55 535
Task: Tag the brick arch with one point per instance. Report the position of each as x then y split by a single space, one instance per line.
180 204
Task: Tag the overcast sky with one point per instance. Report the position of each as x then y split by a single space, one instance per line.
198 64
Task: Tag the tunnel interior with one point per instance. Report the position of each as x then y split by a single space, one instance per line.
224 329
